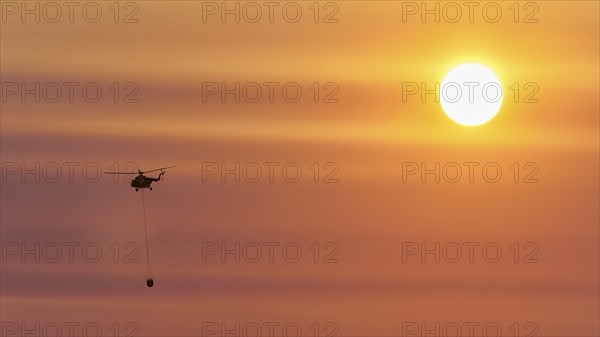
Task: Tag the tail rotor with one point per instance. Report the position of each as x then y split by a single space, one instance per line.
160 176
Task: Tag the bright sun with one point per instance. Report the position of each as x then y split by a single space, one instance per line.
471 94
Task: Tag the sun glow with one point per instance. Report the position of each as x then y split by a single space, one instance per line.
471 94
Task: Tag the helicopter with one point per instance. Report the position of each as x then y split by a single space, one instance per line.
141 181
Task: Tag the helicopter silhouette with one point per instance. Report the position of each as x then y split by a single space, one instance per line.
142 181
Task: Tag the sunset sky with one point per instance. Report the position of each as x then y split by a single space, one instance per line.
365 140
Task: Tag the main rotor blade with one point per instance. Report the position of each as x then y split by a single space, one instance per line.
159 169
120 172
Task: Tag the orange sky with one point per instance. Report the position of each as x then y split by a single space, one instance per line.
369 53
